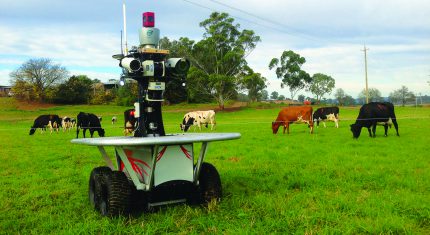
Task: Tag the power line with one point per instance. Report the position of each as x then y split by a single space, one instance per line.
284 29
283 26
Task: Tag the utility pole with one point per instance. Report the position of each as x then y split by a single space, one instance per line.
365 69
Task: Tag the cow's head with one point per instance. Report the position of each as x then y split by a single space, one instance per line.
32 130
186 123
356 130
101 132
275 126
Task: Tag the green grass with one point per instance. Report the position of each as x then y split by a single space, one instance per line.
298 183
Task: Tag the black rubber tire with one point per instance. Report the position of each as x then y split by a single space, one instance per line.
209 184
94 192
116 194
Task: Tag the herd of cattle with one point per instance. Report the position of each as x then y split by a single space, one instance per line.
91 122
370 115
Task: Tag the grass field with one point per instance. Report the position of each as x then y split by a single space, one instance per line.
298 183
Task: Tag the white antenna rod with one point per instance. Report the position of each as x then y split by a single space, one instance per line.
125 27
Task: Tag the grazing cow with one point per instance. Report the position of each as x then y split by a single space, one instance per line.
114 120
89 121
72 122
43 121
197 118
291 114
327 114
66 123
372 113
129 121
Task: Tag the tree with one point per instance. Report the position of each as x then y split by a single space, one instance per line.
301 98
254 83
23 90
348 100
374 95
264 95
402 95
321 84
220 56
175 91
339 95
274 95
289 70
127 94
342 98
40 74
281 97
76 90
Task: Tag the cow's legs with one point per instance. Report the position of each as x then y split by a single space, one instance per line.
395 125
324 124
336 123
370 132
91 132
386 128
374 129
83 131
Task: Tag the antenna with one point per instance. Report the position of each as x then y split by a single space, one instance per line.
122 49
125 52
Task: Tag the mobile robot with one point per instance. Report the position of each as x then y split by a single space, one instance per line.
152 168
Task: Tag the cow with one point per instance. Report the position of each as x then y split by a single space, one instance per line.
89 121
327 114
72 122
43 121
114 120
372 113
197 118
66 123
293 114
129 121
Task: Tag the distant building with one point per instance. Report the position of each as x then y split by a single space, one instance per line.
111 84
5 91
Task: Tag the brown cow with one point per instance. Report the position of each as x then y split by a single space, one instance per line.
298 114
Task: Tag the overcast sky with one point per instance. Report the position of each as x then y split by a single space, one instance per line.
83 35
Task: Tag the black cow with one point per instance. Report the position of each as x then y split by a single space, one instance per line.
89 121
327 113
51 120
372 113
129 121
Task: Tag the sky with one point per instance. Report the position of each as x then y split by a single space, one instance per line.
83 35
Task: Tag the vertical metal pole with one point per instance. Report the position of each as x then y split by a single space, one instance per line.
125 27
202 154
365 68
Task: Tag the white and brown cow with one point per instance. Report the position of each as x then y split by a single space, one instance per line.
198 118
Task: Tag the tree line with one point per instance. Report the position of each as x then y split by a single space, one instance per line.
219 72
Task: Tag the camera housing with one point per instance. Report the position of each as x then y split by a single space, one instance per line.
177 66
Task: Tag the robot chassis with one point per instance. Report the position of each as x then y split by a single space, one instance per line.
152 168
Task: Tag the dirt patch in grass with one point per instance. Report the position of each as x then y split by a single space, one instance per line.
23 105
